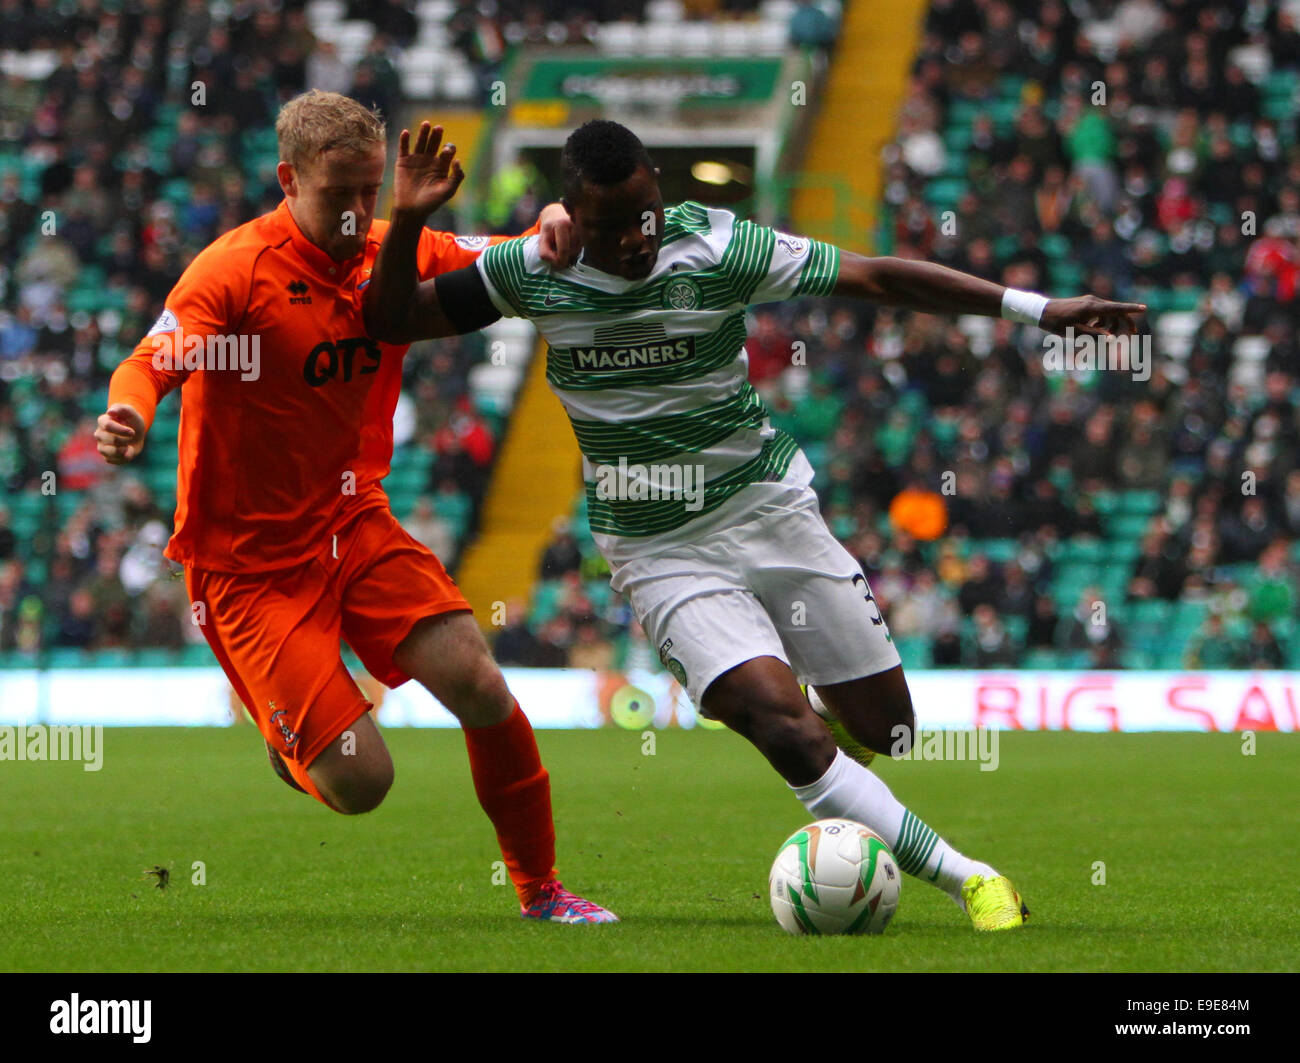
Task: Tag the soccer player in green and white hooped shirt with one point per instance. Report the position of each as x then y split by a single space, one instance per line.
703 509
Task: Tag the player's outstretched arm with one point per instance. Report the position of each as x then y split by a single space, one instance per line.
935 289
397 308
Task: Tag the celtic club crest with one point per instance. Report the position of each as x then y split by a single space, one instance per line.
682 294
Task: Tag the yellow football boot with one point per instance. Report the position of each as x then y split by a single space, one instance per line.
993 903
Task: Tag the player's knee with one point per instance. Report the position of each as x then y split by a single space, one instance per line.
360 791
353 782
477 695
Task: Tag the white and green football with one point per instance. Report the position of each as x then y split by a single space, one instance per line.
834 877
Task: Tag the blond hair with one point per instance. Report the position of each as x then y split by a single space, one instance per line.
316 122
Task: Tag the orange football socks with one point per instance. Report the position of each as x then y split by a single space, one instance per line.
515 791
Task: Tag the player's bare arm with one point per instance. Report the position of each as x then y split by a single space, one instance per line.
120 433
400 309
935 289
397 308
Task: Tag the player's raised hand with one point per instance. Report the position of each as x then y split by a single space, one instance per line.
120 434
558 242
426 175
1091 316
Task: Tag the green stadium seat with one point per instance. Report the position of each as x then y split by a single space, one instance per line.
1137 660
1145 502
1171 655
85 300
998 551
1055 246
546 601
600 593
1113 582
1186 620
964 112
1085 549
402 502
1005 246
156 657
946 192
957 138
1039 659
1127 525
66 657
1155 612
29 503
406 479
1011 86
197 655
1066 275
1124 551
1017 628
1184 299
1105 502
914 652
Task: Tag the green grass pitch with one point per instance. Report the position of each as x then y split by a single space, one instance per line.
1198 842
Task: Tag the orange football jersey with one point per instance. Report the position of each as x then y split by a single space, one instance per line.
287 409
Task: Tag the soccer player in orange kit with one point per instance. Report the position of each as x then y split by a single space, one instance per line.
286 537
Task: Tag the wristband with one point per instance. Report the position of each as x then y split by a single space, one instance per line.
1025 307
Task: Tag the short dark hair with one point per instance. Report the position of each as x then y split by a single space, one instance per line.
602 153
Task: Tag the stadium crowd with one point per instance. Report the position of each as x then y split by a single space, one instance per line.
1007 515
112 176
110 182
1004 514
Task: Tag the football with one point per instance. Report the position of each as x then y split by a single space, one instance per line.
834 877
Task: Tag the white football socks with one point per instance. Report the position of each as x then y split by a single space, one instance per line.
850 791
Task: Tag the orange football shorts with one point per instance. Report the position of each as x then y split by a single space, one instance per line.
276 634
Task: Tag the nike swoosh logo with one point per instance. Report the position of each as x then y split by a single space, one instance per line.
937 870
549 300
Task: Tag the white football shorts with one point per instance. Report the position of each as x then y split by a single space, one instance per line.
774 582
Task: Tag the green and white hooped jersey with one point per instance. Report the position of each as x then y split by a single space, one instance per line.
653 373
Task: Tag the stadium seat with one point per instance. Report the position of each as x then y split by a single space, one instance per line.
1084 549
1127 525
999 551
153 657
1251 349
197 655
698 38
946 192
1143 502
67 657
546 601
1039 659
1175 331
663 11
619 38
914 652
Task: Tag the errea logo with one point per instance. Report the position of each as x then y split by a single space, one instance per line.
298 293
